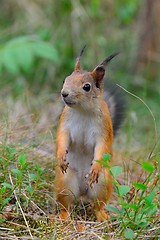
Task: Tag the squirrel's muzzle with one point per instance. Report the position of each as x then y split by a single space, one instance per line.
64 94
66 98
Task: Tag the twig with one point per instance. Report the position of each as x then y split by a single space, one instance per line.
35 205
6 229
20 208
98 237
22 226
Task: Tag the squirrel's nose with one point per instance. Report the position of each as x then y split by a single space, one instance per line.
64 94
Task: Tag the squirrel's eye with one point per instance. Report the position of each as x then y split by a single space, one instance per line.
87 87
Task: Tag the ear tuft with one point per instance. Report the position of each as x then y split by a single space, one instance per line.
77 65
108 59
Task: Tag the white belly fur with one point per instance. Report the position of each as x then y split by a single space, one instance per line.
84 131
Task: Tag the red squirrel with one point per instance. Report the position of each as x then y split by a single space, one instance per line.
84 134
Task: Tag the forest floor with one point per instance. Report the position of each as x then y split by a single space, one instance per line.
27 145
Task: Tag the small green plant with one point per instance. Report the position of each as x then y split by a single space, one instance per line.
138 201
24 62
19 54
18 177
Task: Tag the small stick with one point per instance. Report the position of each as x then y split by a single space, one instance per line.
20 207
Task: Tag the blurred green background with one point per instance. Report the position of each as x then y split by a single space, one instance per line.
39 41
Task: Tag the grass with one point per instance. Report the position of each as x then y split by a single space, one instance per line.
27 203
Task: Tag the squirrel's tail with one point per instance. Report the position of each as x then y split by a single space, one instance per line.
116 104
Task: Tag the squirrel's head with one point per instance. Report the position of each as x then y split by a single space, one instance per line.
82 88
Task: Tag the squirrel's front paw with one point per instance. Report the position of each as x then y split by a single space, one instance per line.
64 164
64 167
93 175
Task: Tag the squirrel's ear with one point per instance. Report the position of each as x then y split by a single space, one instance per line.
77 65
99 71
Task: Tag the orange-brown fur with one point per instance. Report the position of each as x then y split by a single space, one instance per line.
88 108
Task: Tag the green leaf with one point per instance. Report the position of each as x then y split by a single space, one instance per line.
11 152
40 170
122 210
123 189
15 171
103 163
106 157
151 209
3 190
143 223
2 220
46 50
7 185
150 197
140 186
128 233
42 183
115 171
141 219
24 56
148 167
19 53
5 201
33 176
133 206
29 189
22 159
9 60
112 209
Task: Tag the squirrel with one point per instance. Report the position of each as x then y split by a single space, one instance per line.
85 132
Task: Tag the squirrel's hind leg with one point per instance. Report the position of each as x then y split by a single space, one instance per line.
67 190
65 202
100 193
100 213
